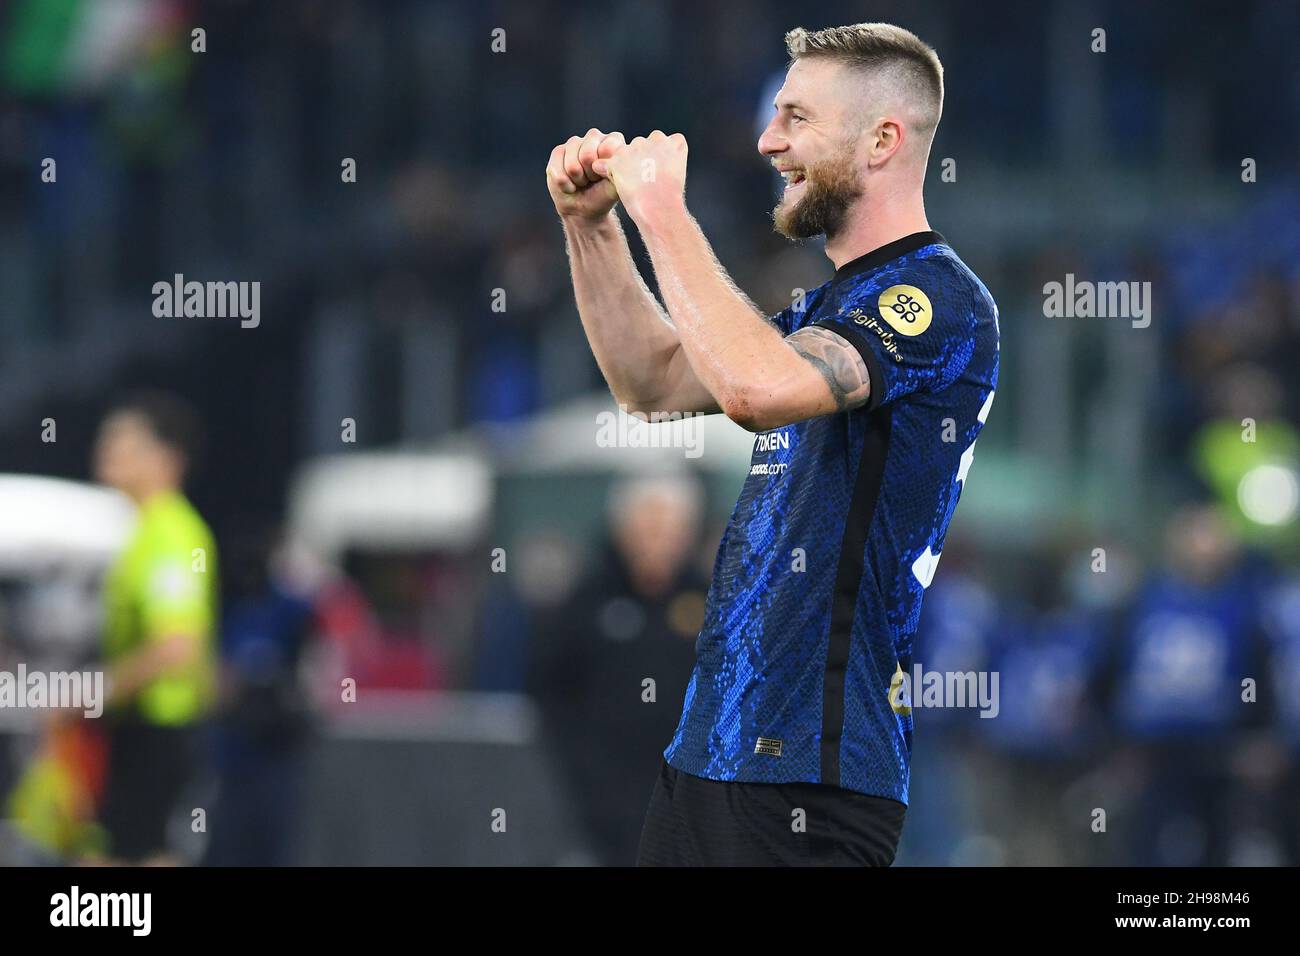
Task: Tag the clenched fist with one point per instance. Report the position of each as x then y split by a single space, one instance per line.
649 173
576 188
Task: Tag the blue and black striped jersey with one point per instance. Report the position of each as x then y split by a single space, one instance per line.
819 577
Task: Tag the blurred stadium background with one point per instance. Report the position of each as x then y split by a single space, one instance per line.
476 429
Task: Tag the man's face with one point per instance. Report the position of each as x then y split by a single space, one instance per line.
1200 544
655 534
812 140
127 452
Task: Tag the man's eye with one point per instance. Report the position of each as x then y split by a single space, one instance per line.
797 118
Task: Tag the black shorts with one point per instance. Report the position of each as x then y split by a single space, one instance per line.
692 821
149 769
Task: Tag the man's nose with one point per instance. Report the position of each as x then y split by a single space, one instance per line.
771 141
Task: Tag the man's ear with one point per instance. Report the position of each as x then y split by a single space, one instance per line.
884 139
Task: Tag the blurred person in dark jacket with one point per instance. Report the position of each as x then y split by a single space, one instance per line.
611 663
1192 637
1281 613
1049 651
263 719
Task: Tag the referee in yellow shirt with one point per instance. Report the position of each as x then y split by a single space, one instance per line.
159 645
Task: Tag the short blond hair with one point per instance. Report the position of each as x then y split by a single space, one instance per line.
873 48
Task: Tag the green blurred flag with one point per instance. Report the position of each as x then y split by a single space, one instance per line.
37 42
53 47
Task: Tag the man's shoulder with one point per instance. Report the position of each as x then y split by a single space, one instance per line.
950 269
177 524
935 271
806 306
932 278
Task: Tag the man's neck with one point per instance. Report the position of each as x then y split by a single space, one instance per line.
869 229
143 495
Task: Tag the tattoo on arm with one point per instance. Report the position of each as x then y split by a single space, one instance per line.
839 363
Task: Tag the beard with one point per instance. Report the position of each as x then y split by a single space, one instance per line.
830 189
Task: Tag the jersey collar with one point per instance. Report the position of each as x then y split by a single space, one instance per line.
889 251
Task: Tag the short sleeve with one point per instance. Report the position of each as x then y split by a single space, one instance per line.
796 315
174 595
912 338
786 320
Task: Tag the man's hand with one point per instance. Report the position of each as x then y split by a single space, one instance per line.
648 174
577 190
631 337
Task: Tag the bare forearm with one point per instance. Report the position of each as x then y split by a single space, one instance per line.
137 670
735 352
630 334
748 368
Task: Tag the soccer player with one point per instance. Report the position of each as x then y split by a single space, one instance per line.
160 616
867 396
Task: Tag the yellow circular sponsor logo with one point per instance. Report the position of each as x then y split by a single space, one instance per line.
906 308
